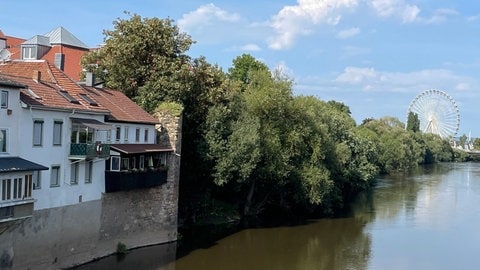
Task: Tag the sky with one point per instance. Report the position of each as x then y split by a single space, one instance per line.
375 56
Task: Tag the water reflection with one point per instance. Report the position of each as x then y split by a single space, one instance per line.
425 220
322 244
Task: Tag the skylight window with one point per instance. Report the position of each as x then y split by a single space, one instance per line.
68 97
88 99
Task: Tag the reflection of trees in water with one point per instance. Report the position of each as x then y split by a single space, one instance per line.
398 193
323 244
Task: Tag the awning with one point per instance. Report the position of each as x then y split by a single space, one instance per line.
139 148
17 164
92 123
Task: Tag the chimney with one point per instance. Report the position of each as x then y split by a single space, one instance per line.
37 76
89 79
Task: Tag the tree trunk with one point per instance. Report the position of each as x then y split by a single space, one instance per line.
248 201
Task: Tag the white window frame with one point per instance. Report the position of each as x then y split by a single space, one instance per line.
88 172
3 140
4 99
57 132
74 168
6 186
55 177
27 190
29 53
145 135
115 163
37 180
125 134
141 163
17 188
118 133
109 135
137 135
37 134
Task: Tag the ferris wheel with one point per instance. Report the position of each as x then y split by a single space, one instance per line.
437 112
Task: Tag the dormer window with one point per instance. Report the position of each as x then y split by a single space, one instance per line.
29 53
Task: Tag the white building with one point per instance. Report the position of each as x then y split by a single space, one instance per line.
80 141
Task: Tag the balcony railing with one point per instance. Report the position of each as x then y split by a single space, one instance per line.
129 180
89 150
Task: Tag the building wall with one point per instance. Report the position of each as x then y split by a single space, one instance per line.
69 235
50 155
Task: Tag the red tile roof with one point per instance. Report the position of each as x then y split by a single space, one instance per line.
48 88
122 109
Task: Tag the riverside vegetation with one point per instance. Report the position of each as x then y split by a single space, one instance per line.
249 146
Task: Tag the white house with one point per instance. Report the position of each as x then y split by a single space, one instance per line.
81 140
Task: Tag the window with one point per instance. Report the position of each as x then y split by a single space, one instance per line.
88 172
37 132
141 162
115 163
4 100
88 99
17 188
6 189
125 164
109 135
125 135
74 173
137 135
55 176
118 131
3 140
29 53
57 132
134 162
36 179
6 212
68 97
27 193
146 135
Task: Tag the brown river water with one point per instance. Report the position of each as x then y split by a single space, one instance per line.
429 219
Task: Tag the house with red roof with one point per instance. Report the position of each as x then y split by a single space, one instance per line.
93 140
59 47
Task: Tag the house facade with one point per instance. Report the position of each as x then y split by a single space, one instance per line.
92 172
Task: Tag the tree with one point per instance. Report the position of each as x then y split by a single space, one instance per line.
413 123
144 58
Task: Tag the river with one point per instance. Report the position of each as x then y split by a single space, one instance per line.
429 219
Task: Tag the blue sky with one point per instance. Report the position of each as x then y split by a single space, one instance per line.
373 55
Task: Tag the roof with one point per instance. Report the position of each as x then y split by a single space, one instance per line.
61 35
122 109
47 92
10 83
17 164
92 123
139 148
38 40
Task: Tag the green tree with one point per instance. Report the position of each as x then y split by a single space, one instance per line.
413 123
144 58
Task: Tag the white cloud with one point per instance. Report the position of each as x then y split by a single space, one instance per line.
292 21
415 81
440 15
348 33
251 47
284 69
206 15
396 8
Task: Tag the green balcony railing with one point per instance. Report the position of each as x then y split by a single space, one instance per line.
89 150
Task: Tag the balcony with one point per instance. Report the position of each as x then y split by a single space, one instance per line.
129 180
89 150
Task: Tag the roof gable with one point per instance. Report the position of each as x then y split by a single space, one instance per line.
62 36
